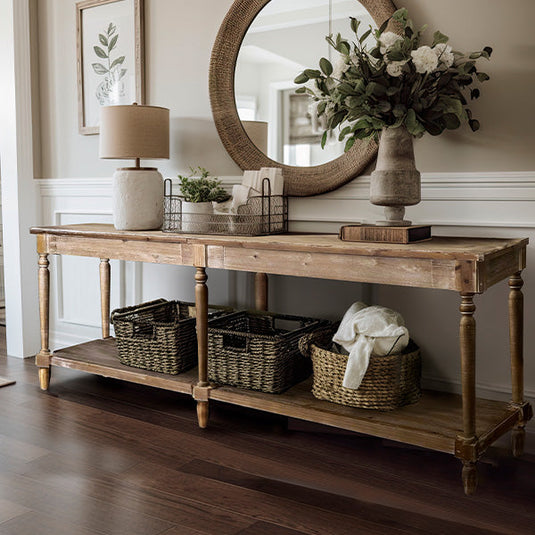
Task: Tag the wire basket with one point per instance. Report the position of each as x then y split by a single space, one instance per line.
262 214
159 336
258 351
390 381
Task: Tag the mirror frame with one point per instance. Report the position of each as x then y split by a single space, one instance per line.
299 181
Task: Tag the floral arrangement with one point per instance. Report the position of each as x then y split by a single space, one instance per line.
398 82
199 187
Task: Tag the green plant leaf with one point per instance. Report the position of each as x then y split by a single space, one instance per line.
99 68
439 37
343 47
451 121
122 73
324 139
349 143
113 42
474 125
488 50
301 78
355 23
365 36
475 93
111 28
312 73
337 118
482 77
326 66
103 40
413 125
345 131
395 55
399 110
384 106
383 27
99 52
401 15
345 89
118 61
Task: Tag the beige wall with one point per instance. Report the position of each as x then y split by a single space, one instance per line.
179 37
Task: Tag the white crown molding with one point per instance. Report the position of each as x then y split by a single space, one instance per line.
483 186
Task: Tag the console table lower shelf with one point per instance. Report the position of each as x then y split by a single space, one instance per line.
432 423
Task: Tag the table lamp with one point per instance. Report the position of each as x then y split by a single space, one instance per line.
135 132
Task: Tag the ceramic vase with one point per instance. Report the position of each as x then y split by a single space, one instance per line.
395 183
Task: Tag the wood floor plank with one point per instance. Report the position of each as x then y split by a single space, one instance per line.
264 528
9 510
33 523
76 508
389 517
116 491
252 503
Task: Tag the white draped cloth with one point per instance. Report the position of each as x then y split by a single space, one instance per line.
365 330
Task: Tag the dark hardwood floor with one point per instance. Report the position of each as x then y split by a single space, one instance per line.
98 456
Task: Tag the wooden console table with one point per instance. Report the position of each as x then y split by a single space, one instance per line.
461 425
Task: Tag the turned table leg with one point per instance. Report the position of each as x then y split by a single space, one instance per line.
201 306
105 296
42 359
261 291
467 336
516 342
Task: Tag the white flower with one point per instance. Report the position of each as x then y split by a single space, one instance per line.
387 40
395 68
424 59
444 54
340 66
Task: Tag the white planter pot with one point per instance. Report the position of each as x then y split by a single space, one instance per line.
197 217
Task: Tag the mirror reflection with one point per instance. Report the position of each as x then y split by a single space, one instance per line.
285 38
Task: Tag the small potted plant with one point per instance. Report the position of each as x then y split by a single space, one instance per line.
199 191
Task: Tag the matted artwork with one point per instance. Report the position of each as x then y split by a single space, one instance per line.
110 57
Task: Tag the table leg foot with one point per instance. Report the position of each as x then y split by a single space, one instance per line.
202 414
469 475
518 438
44 378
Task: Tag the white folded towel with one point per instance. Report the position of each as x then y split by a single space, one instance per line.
240 194
255 180
365 330
252 180
276 180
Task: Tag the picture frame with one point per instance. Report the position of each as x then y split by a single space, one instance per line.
110 57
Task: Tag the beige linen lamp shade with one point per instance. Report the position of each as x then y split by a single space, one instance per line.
134 131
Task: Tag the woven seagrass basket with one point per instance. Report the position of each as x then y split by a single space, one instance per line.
390 382
258 351
158 336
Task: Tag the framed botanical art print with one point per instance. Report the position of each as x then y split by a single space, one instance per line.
110 57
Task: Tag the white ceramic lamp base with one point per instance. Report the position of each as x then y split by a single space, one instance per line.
137 199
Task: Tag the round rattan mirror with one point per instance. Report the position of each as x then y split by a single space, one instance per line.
299 181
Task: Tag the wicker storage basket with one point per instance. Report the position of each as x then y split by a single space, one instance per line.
390 382
159 336
258 351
